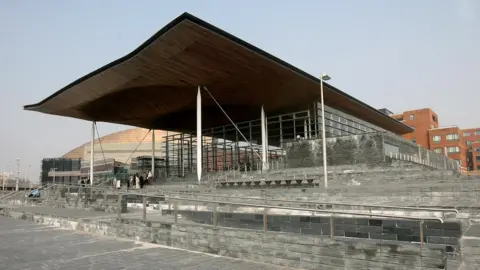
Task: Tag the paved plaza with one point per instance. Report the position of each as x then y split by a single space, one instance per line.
27 245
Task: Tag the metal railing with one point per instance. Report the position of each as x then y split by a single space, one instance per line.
268 201
264 208
324 204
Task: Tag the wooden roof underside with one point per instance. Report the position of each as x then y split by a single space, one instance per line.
155 86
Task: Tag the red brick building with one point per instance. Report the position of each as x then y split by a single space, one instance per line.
450 142
456 143
421 121
475 156
472 141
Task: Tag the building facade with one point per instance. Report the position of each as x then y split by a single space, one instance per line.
472 140
474 152
450 142
421 120
456 143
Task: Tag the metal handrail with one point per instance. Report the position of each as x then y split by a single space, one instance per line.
446 210
9 195
287 208
272 206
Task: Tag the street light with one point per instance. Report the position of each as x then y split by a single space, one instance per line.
53 169
324 77
18 174
4 174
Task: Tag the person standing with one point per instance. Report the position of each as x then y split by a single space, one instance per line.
137 181
149 178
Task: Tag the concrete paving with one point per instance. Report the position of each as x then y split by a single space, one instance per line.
26 245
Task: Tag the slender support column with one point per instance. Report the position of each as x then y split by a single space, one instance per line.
305 129
309 120
294 128
190 154
199 135
167 156
264 141
153 155
224 150
281 131
92 149
324 137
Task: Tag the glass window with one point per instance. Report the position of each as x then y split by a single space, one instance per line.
477 149
468 143
452 137
453 149
437 138
438 150
477 158
477 133
412 116
467 134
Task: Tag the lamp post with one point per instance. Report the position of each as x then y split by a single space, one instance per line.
54 170
18 174
324 77
4 174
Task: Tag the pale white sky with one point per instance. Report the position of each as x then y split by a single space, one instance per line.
401 54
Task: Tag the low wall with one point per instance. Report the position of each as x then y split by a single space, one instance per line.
278 248
368 148
447 233
352 150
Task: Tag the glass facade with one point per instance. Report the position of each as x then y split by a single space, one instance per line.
228 147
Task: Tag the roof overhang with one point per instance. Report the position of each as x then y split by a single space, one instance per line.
155 86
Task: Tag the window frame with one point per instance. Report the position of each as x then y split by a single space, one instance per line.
456 137
437 136
457 149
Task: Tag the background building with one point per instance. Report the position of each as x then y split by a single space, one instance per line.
450 142
472 139
113 155
456 143
421 121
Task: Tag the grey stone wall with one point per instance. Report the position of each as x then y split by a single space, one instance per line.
447 233
369 149
355 149
278 248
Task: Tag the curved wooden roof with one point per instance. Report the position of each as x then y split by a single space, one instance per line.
155 86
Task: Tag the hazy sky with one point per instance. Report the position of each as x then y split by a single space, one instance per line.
401 55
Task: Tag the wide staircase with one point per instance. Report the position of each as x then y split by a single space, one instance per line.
402 216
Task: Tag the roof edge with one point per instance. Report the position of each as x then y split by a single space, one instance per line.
202 23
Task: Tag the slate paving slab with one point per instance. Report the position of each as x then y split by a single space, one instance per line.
26 245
